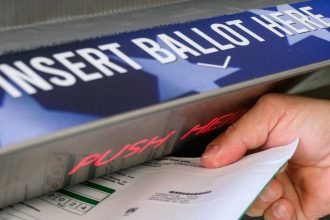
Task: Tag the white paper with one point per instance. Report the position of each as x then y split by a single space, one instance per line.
167 189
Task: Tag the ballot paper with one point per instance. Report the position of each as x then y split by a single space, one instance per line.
168 188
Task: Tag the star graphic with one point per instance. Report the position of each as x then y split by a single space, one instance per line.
24 118
319 33
180 77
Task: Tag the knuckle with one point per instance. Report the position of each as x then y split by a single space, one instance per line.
254 212
231 133
231 129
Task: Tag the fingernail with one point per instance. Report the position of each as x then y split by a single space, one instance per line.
280 211
268 195
211 152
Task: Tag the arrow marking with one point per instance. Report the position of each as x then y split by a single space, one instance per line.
224 66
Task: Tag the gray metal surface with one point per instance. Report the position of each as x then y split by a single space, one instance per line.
18 13
66 26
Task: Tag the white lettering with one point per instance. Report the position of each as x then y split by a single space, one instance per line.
153 49
24 77
43 64
77 67
114 49
177 46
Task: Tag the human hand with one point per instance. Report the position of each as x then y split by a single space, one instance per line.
302 190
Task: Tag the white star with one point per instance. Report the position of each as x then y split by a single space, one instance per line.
24 118
180 77
320 33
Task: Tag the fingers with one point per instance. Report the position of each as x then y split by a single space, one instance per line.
280 210
270 194
249 132
271 205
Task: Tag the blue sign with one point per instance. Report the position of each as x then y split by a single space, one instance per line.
54 88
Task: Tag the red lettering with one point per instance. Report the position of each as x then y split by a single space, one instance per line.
156 142
226 119
99 162
135 148
218 123
237 116
214 124
84 162
210 126
197 128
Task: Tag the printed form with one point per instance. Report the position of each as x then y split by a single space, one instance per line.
169 188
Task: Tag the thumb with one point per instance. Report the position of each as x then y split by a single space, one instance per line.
249 132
